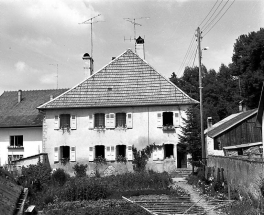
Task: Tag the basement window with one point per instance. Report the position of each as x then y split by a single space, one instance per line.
16 141
100 151
99 120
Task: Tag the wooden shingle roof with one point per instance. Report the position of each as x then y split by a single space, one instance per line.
24 113
127 80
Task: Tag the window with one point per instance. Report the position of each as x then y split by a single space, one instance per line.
120 120
65 152
167 118
168 150
121 150
16 141
217 145
14 158
99 120
100 151
65 120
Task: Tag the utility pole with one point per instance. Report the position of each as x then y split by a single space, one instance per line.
201 95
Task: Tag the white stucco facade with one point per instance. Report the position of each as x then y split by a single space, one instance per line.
144 131
32 142
210 147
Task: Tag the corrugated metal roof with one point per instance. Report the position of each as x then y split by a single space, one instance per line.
232 121
24 113
128 80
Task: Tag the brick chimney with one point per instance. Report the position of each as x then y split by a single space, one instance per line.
51 97
88 65
209 122
19 95
140 48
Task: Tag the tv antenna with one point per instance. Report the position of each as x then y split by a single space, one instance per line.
57 73
133 21
90 21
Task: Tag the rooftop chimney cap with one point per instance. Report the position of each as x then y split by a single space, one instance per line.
86 56
19 95
139 40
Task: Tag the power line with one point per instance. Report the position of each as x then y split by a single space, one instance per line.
195 56
215 17
191 57
219 18
209 13
187 54
212 15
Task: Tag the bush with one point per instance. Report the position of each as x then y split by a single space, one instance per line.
59 176
80 170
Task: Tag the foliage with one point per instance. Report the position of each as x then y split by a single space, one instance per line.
121 159
59 176
102 207
99 161
80 170
190 139
141 156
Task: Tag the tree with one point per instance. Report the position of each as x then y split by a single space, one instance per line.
248 65
190 138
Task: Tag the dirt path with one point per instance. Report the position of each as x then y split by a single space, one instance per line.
196 197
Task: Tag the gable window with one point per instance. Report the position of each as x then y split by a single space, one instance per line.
121 120
65 120
99 120
16 141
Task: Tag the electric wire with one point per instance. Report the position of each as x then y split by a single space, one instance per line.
195 56
219 18
212 14
191 57
208 13
187 54
208 26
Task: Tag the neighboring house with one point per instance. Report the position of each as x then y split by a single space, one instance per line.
235 135
125 103
21 123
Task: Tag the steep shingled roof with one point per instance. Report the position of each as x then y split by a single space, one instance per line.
24 113
126 81
229 122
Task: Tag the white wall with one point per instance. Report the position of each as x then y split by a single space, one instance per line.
32 142
210 147
144 131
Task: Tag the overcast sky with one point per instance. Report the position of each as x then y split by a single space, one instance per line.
37 33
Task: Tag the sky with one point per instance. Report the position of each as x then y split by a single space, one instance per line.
38 35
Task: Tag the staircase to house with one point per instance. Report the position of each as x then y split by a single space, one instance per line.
181 173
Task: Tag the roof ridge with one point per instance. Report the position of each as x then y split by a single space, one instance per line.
10 91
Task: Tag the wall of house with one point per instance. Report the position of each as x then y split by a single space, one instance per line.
210 147
145 131
32 142
241 174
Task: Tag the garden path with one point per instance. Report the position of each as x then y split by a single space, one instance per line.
196 197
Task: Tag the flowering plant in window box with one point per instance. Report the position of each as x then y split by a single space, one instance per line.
64 161
66 128
121 127
100 128
168 128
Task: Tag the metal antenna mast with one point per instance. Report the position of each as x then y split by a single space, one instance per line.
133 21
90 21
57 73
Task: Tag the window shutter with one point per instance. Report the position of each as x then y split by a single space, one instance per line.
161 154
111 120
112 153
91 121
129 153
91 153
73 122
73 154
107 121
159 120
56 122
155 154
56 154
108 153
176 119
129 120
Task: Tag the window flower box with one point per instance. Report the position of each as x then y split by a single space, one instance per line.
168 128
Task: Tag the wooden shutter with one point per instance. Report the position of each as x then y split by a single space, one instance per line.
129 120
129 153
91 153
57 122
91 121
108 153
112 153
155 154
111 120
73 122
56 154
161 154
73 153
107 121
159 120
176 119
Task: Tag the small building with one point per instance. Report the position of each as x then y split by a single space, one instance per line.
235 135
125 103
21 123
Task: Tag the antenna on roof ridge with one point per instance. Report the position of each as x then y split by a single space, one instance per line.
90 21
133 21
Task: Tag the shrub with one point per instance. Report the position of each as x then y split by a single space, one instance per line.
59 176
80 170
121 159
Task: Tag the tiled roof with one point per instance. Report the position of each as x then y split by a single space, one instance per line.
128 80
25 113
233 120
